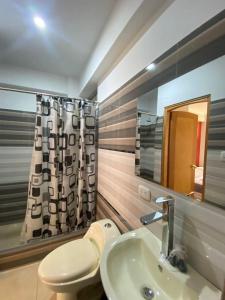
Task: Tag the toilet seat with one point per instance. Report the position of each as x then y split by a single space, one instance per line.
69 262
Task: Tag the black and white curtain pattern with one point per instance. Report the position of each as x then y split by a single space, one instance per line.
61 192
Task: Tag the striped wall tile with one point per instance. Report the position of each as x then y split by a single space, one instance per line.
13 201
159 133
14 164
157 165
16 128
148 162
216 130
215 178
215 168
16 141
118 185
117 125
105 210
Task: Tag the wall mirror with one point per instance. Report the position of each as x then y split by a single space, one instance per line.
180 136
184 144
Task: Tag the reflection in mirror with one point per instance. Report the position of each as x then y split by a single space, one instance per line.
185 130
149 132
181 127
147 124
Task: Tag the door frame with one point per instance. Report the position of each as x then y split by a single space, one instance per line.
166 131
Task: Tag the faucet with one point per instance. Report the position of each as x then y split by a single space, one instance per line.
166 214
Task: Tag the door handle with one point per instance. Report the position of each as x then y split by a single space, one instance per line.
191 194
193 166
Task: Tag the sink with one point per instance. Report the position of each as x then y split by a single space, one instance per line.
132 268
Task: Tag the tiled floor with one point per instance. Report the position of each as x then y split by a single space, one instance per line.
22 283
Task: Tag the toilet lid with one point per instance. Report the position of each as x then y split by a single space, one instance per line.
70 261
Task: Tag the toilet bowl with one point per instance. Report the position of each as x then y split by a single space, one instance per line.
75 265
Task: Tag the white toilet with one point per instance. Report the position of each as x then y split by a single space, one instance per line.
75 265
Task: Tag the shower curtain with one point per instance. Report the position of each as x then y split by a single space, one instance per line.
61 191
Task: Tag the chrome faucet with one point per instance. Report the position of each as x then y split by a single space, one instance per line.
166 214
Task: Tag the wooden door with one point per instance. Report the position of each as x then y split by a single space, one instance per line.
182 151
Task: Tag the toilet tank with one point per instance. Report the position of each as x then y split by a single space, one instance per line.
102 231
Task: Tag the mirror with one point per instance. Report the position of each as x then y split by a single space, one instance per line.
149 138
180 136
184 156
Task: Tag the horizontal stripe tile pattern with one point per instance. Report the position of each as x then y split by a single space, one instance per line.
148 164
215 167
13 201
216 130
105 210
117 125
16 141
215 178
147 151
16 128
198 226
14 164
14 174
118 185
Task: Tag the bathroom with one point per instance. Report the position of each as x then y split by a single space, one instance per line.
112 149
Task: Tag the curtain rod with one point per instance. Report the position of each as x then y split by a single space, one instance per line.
37 93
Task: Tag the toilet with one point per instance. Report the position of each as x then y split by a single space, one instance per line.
75 265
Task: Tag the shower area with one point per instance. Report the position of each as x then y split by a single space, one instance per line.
47 167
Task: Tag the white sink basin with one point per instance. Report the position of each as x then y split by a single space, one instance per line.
132 262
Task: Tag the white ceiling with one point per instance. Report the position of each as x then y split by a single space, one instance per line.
73 28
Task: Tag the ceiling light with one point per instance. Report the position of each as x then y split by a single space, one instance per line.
150 67
39 22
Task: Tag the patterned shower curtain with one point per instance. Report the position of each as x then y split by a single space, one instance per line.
61 192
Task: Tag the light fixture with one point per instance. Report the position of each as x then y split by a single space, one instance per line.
150 67
39 22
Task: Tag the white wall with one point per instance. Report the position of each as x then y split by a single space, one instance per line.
119 18
207 79
30 79
17 101
128 20
179 20
148 102
72 87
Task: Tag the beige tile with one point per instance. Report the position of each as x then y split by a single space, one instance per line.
44 293
22 283
19 283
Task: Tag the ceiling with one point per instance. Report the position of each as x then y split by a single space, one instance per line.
73 28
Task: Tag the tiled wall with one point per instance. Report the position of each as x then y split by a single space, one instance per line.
117 125
215 168
199 226
16 141
149 151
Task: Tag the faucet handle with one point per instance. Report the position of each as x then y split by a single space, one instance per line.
167 199
151 218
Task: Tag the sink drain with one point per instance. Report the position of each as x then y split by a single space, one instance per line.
147 293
